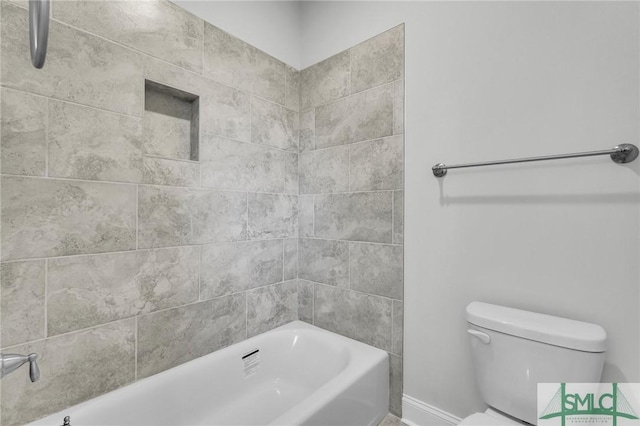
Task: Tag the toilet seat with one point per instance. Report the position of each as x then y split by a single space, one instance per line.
488 418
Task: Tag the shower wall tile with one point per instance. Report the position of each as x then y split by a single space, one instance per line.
167 74
359 316
81 68
161 171
23 298
225 112
272 216
325 170
195 330
291 173
395 384
166 240
367 115
231 61
376 164
290 259
398 217
234 165
325 81
364 216
273 125
398 107
305 216
46 217
378 60
85 291
305 301
307 130
292 88
376 269
398 327
272 306
74 367
324 261
91 144
230 268
158 28
180 216
23 125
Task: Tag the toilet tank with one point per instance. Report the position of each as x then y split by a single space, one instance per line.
514 350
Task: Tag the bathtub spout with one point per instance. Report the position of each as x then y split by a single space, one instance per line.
11 362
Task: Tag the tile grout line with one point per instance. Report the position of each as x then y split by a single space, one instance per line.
313 216
135 351
363 293
200 273
393 222
350 95
66 101
247 215
46 137
349 144
313 308
137 216
159 186
349 265
46 298
214 243
349 169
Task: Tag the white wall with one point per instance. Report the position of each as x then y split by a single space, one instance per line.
272 26
492 80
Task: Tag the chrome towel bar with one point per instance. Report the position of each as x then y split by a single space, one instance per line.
623 153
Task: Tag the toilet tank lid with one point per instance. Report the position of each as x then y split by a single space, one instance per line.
563 332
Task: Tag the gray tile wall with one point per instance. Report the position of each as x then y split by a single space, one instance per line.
121 255
350 211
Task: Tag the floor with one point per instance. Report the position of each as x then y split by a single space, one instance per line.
391 420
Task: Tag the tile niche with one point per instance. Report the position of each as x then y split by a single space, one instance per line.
170 122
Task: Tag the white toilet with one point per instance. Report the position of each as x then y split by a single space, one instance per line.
514 350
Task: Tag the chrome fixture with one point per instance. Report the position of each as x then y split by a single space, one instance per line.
38 30
623 153
11 362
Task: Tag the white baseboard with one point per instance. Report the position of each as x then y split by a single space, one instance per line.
418 413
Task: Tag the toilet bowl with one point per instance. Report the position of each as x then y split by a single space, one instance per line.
514 350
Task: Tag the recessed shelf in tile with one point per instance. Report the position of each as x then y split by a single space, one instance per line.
170 122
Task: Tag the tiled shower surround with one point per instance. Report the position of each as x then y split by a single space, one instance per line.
124 255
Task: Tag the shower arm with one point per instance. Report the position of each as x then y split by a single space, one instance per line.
39 13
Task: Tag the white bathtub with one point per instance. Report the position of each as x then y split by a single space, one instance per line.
301 375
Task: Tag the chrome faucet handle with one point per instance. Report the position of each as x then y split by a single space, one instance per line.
34 370
11 362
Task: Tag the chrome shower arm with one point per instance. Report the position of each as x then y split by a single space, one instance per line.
39 12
